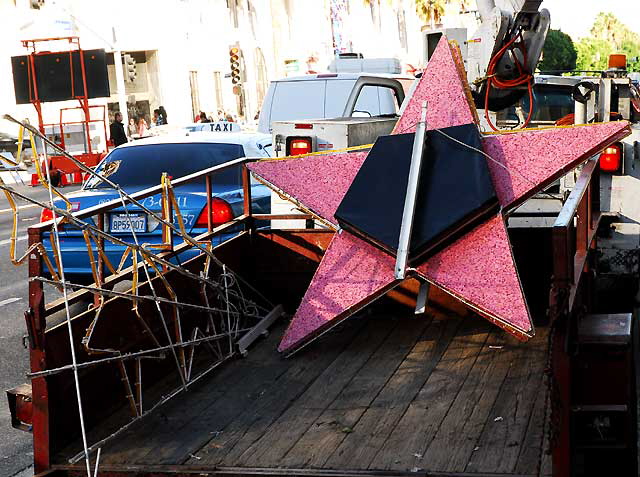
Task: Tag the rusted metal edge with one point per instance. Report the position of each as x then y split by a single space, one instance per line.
570 207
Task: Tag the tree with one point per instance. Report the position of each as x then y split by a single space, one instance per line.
608 35
431 11
558 52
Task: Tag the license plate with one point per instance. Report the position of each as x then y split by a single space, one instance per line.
124 222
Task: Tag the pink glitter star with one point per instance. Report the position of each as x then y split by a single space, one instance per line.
478 268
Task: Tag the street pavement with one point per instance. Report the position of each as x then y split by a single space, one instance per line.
16 453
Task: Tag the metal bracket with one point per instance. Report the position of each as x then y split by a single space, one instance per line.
260 329
423 295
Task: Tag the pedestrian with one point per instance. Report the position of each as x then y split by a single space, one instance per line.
228 118
132 129
203 117
142 127
156 121
116 130
163 115
221 115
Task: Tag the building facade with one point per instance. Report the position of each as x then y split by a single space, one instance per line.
181 48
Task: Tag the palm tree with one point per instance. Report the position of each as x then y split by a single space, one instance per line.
431 11
607 27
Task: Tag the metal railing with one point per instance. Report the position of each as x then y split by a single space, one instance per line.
574 236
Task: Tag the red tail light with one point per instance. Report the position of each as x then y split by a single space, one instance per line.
221 213
45 215
611 158
298 145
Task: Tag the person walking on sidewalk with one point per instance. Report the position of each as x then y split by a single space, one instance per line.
116 130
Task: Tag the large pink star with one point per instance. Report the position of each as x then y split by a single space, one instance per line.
478 268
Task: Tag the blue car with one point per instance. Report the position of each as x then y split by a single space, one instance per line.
139 165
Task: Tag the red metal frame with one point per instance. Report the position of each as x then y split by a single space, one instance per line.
574 237
85 107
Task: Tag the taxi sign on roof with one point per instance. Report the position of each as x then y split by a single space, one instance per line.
218 126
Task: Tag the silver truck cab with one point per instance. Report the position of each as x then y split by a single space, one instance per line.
327 95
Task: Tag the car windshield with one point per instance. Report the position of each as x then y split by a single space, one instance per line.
550 104
142 166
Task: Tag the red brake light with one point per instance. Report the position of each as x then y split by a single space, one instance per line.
221 213
46 215
611 158
298 145
303 126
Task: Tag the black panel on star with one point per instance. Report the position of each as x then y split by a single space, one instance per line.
455 191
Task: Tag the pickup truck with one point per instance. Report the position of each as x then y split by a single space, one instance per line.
386 393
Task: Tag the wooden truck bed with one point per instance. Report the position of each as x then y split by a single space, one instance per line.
387 393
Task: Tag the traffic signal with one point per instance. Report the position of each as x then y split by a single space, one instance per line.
234 60
130 67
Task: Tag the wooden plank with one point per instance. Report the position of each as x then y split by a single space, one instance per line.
535 452
226 446
546 469
269 449
504 433
214 418
332 426
532 449
372 430
154 431
456 439
421 421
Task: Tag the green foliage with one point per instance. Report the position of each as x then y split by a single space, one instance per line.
558 52
608 35
431 11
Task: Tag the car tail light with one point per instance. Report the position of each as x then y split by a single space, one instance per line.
221 213
46 214
298 145
611 158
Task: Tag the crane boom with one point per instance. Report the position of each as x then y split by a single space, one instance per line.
502 54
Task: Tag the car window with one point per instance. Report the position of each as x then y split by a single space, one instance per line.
298 100
388 101
142 166
550 104
368 101
267 148
336 97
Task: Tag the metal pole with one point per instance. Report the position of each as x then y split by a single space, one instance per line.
410 198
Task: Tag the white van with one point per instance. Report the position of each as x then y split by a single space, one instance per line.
327 96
